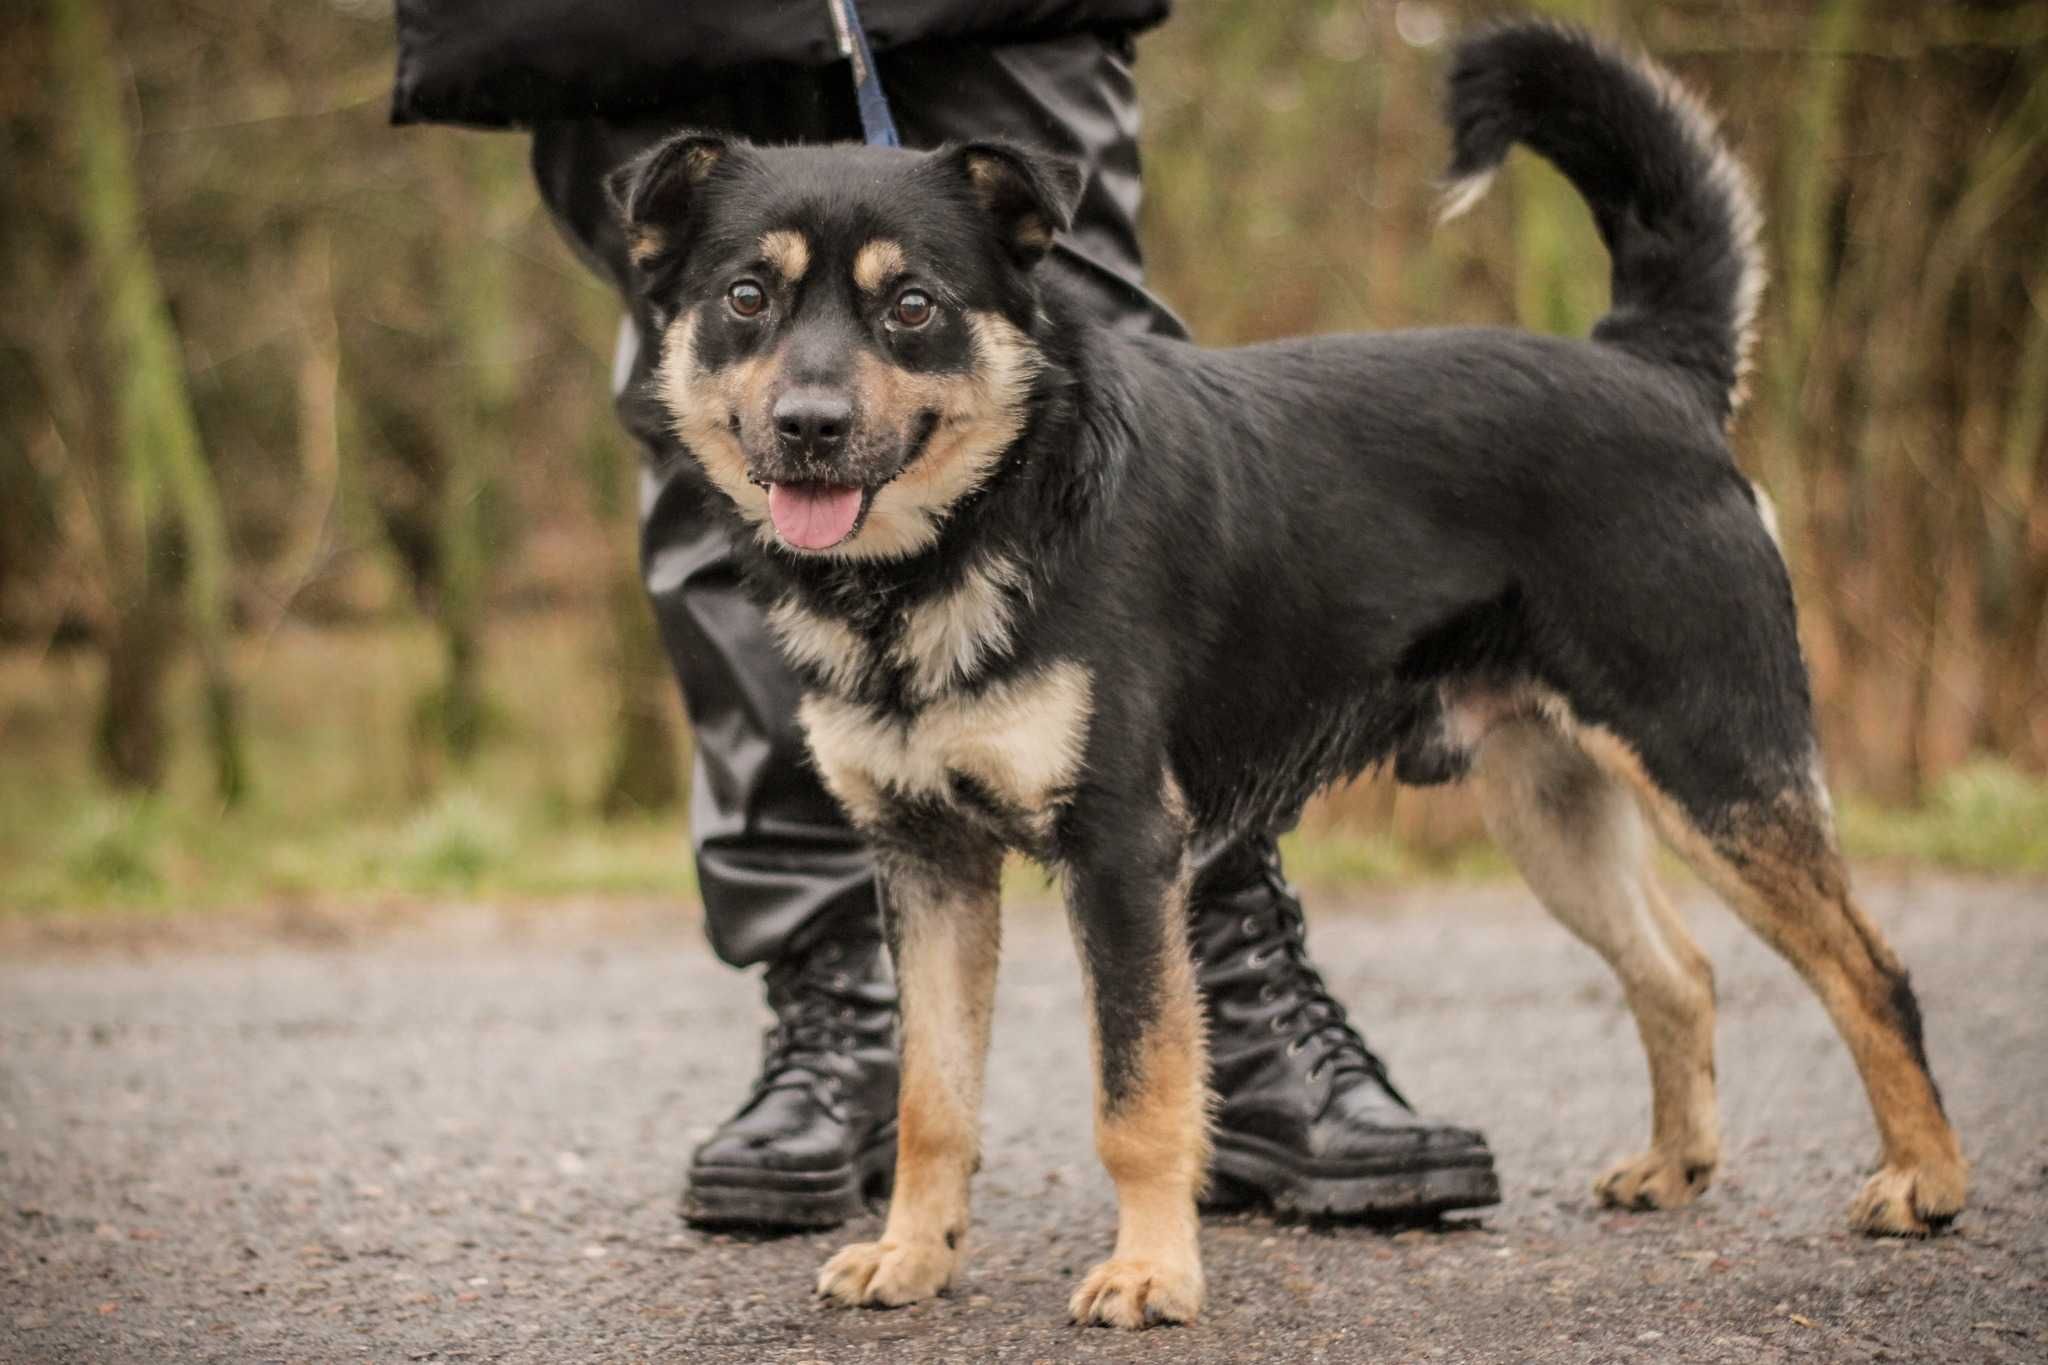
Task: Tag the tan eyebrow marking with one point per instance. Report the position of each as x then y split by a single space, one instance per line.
643 244
788 252
875 263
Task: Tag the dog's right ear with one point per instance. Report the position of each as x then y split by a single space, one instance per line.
652 194
1028 195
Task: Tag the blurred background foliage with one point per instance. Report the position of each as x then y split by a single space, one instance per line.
316 535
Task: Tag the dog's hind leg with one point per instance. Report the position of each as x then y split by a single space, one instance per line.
1774 859
1127 895
1579 839
944 929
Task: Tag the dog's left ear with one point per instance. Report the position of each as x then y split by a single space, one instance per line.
652 194
1028 195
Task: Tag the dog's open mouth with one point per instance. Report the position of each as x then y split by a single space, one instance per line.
816 516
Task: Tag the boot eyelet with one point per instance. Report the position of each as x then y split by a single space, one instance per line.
1280 1023
1315 1073
840 981
1255 958
1294 1048
1268 993
1251 926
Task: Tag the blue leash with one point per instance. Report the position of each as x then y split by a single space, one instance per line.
875 123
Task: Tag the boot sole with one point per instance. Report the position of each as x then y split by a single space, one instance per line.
764 1200
1247 1171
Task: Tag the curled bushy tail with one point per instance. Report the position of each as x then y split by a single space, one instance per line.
1674 207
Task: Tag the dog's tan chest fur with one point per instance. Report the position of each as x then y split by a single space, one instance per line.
948 638
1019 741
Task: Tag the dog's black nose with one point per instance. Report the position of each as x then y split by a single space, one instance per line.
813 421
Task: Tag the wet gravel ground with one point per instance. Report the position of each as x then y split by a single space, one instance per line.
461 1139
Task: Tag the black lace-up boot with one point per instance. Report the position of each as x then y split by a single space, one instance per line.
817 1137
1308 1121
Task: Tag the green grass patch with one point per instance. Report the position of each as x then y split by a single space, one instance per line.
122 854
1983 817
343 806
344 810
1337 857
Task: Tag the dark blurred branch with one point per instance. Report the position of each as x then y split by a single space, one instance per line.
176 506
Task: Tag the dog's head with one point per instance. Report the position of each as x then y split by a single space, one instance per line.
847 330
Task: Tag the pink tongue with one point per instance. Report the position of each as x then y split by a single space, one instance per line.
813 516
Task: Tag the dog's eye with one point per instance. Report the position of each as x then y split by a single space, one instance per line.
746 299
913 308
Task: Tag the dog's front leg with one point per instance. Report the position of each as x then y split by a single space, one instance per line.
1127 895
944 930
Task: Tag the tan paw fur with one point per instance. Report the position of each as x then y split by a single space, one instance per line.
1910 1201
886 1274
1653 1181
1135 1294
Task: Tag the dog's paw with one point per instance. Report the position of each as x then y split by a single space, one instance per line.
1134 1294
1653 1181
886 1274
1910 1201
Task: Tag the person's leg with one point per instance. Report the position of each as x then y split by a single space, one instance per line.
784 881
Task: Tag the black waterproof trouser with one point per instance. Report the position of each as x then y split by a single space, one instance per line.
778 866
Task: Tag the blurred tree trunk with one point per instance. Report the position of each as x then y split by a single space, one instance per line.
2019 671
305 532
475 439
131 740
167 497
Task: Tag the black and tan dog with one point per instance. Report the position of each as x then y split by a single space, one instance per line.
1097 597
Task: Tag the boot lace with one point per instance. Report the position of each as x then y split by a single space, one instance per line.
1316 1019
806 1047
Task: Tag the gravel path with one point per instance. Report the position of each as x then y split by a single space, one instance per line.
462 1139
